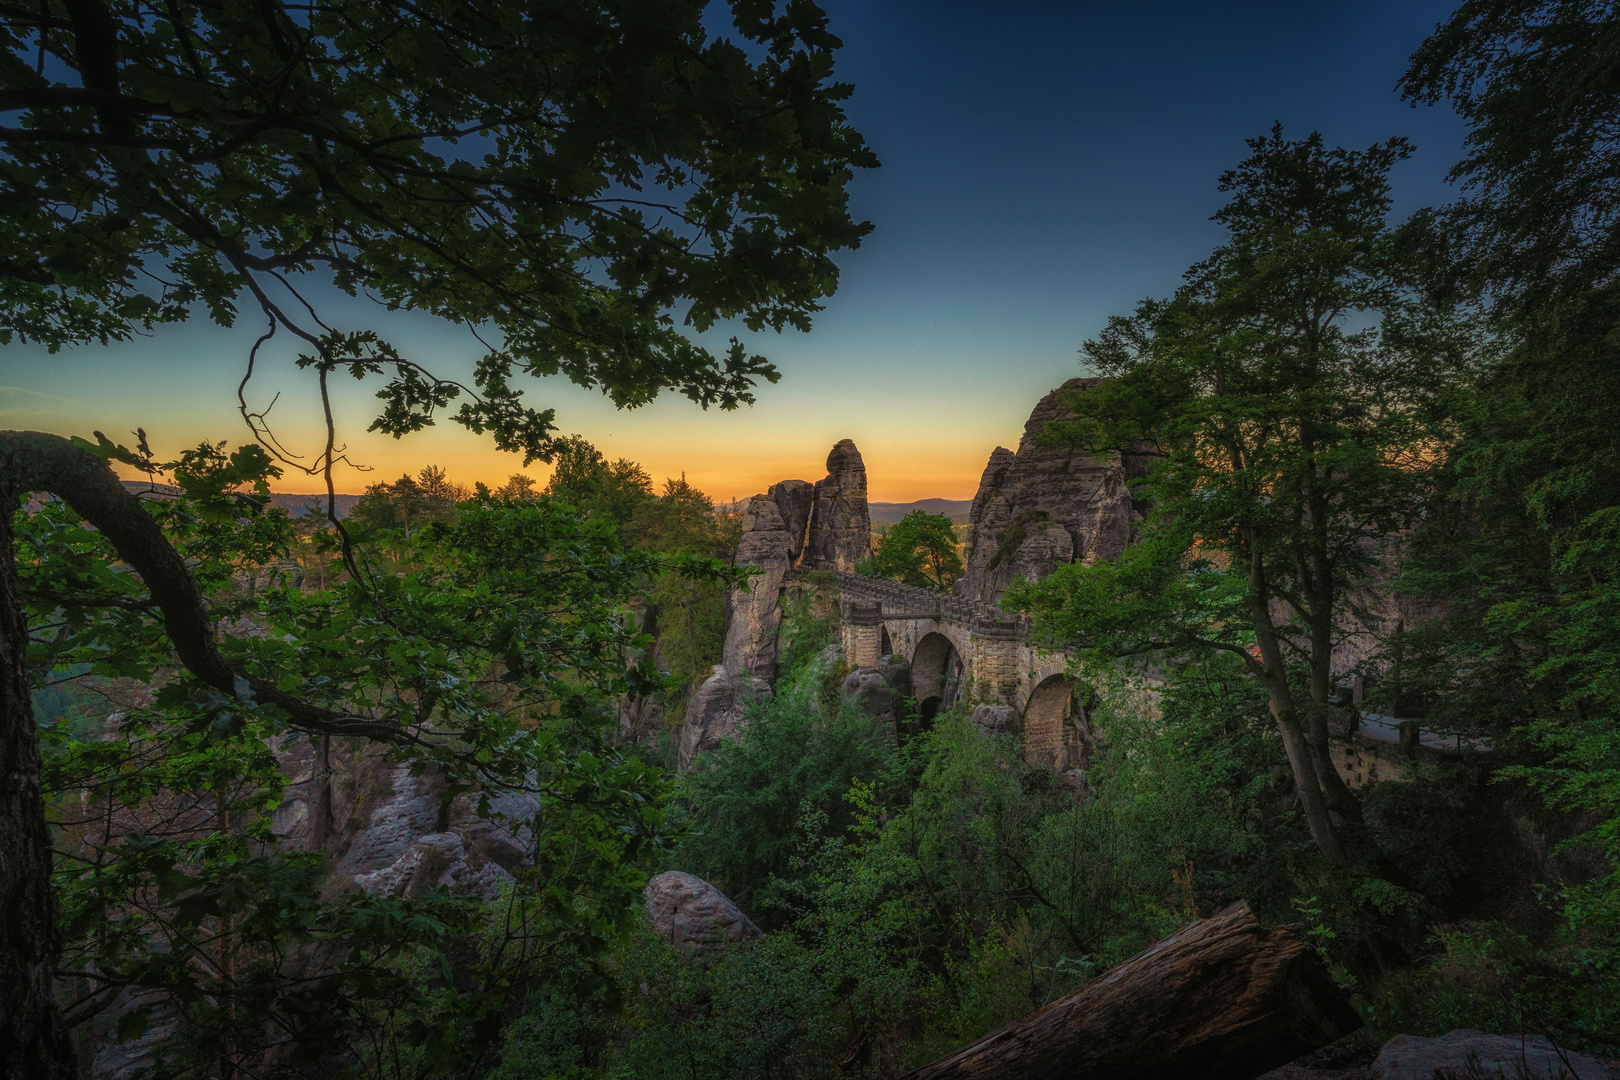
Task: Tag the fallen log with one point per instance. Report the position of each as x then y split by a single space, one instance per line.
1222 999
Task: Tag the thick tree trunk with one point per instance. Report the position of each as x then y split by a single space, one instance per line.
1340 799
1223 999
33 1039
1301 760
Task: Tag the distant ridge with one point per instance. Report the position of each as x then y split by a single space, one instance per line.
887 513
294 504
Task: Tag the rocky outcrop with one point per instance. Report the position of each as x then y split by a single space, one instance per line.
390 814
693 915
767 544
1474 1053
794 526
127 1059
388 810
840 533
880 691
434 861
997 718
641 720
1046 505
718 708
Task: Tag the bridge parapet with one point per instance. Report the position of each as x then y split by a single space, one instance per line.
896 601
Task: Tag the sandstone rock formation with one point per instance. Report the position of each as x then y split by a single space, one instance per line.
437 859
794 526
840 534
999 718
718 708
766 543
795 500
880 691
1046 505
641 719
1407 1057
389 814
693 915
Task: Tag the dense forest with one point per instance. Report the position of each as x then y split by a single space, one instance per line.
1334 403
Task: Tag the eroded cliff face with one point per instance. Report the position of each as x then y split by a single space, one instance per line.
767 544
1047 505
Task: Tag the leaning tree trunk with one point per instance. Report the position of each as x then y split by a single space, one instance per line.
33 1039
1223 999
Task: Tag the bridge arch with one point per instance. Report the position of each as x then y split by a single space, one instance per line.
936 675
1050 736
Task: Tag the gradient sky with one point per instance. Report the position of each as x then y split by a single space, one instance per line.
1044 166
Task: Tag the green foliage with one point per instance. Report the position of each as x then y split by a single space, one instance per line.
763 1009
566 178
497 654
686 616
1486 976
919 550
748 796
1534 80
409 504
683 518
1524 547
1295 392
918 898
584 477
810 621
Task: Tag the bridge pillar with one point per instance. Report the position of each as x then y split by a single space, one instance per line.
862 633
994 661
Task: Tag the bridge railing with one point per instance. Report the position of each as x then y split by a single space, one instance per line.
910 602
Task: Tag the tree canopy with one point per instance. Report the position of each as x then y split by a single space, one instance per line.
583 186
1523 548
920 550
1294 392
580 184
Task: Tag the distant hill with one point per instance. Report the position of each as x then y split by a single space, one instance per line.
295 504
885 513
292 503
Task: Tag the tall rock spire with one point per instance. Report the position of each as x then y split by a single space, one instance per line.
840 522
792 527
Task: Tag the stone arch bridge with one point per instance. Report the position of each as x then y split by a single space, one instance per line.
963 651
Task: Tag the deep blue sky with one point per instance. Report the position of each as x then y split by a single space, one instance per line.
1044 166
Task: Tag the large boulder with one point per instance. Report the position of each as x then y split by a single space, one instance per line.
716 711
880 691
693 915
1046 505
996 718
1474 1053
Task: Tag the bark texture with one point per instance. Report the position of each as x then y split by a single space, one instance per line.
1223 999
33 1039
